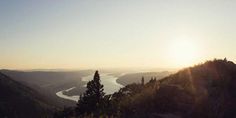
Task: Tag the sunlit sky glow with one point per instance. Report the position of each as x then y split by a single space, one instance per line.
75 34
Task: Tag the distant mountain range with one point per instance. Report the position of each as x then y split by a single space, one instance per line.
136 77
48 83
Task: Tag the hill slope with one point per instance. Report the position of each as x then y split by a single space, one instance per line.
212 85
203 91
48 83
19 101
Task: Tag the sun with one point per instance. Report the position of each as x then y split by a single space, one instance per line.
183 52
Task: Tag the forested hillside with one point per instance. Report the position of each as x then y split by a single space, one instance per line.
203 91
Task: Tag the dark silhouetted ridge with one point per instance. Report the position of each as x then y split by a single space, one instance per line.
19 101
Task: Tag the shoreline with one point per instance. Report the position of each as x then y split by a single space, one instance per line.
110 86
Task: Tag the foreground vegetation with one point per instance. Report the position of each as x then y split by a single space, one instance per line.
203 91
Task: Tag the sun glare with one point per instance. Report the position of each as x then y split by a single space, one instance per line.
183 52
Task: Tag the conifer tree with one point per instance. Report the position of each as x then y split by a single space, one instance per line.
142 81
91 100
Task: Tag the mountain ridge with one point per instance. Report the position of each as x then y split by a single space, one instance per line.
19 101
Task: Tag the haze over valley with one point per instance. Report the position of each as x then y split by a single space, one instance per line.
117 59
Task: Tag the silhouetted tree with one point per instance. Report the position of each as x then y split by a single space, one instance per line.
142 81
91 101
155 78
225 59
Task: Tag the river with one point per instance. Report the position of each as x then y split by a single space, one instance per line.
109 82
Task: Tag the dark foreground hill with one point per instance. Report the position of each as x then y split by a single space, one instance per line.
203 91
19 101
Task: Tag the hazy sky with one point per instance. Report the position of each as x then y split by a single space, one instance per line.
114 33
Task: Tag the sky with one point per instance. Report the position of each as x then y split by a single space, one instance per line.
76 34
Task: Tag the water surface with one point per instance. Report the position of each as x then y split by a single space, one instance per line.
109 82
